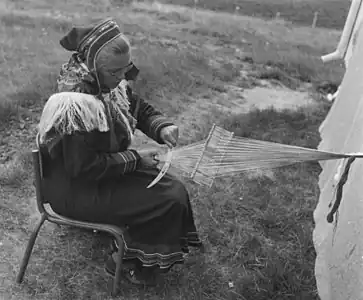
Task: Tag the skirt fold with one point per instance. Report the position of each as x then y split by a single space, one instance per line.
160 220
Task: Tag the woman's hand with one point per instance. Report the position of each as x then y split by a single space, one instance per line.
170 135
149 158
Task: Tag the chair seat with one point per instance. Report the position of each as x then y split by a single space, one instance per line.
59 219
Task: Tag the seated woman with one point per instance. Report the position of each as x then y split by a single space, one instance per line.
91 174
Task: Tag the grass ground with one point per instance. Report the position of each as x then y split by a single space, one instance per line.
331 13
257 228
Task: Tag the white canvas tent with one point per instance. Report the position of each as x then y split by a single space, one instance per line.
339 246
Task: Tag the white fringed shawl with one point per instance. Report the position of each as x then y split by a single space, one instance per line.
69 112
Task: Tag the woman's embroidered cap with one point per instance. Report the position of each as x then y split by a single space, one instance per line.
88 41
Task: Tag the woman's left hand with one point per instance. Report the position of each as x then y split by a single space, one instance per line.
169 135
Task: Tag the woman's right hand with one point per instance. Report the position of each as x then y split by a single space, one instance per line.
149 158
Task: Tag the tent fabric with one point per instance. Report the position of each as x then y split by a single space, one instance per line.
339 245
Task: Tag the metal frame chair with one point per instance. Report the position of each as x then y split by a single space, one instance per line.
47 215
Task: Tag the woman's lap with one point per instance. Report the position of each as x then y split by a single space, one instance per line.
127 201
160 219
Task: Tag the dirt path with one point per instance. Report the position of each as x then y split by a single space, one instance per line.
238 101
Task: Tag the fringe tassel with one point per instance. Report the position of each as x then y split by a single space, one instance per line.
119 103
68 112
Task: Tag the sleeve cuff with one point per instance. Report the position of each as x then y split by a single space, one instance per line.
156 125
138 158
129 159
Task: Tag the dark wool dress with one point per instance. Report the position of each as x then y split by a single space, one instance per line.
87 180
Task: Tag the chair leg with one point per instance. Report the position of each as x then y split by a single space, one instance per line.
120 255
29 249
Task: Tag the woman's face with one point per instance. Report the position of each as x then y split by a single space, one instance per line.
112 73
